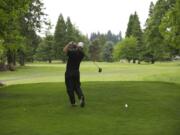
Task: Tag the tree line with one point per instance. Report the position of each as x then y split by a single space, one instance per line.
159 41
19 42
20 21
98 46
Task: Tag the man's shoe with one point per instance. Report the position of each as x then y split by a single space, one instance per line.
82 102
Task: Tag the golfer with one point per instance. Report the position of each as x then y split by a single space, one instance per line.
72 75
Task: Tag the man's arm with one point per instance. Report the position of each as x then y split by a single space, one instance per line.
65 49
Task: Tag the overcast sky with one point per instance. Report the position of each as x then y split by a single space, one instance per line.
98 15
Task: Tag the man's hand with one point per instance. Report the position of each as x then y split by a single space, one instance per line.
65 49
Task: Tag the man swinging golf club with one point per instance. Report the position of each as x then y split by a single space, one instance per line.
72 75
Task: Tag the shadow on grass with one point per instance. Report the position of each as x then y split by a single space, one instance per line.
2 85
101 90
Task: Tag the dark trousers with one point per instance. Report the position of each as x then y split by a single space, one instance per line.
73 85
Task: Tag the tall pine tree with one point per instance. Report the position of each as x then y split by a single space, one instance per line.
134 29
130 26
156 47
70 30
60 38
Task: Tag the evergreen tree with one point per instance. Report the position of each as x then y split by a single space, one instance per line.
109 36
60 38
71 31
156 47
45 51
94 50
151 8
107 51
130 26
73 34
137 33
113 37
120 36
65 32
93 36
134 29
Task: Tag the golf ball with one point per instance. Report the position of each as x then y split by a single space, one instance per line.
126 105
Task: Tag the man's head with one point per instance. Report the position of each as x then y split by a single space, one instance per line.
80 44
72 46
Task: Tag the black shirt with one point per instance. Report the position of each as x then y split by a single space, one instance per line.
74 60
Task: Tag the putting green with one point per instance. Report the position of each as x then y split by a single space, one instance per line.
42 109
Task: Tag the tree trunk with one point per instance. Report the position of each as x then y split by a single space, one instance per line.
139 62
21 58
10 60
50 61
14 58
3 67
21 61
152 61
9 57
134 61
32 60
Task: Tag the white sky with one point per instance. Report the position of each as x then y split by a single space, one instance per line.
98 15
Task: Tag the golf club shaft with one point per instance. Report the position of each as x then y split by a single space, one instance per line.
96 64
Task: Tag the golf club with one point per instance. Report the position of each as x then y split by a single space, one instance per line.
99 69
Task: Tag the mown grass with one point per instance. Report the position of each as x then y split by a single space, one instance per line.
42 72
43 109
152 93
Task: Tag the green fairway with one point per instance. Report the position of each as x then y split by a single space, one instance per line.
152 93
42 109
43 72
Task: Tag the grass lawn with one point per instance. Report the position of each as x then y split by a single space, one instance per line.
152 93
43 72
